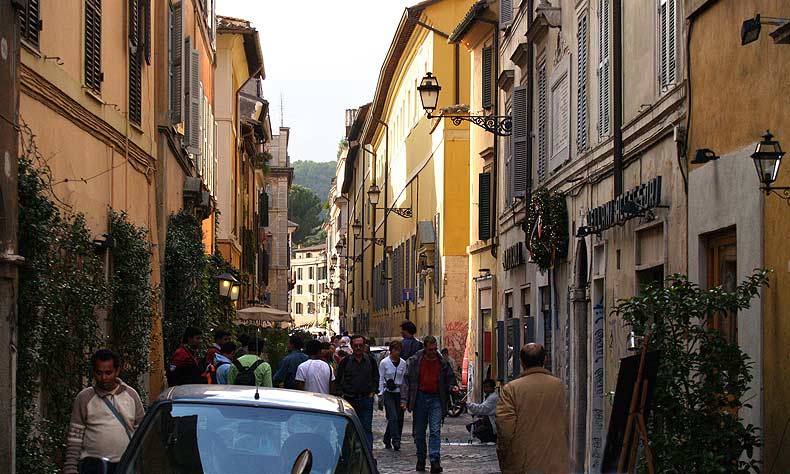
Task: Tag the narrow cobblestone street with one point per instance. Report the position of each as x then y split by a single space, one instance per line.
458 456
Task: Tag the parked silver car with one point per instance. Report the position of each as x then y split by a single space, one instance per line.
220 429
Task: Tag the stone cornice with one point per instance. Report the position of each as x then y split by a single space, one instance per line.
40 89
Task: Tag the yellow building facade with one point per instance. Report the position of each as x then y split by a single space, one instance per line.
421 222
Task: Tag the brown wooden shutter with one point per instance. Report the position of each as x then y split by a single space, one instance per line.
135 64
263 209
93 73
30 23
488 57
484 208
519 138
505 13
176 61
542 124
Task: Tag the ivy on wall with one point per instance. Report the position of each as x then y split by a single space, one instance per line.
132 299
61 285
191 296
547 228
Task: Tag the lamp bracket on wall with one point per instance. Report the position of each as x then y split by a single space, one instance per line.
498 125
782 191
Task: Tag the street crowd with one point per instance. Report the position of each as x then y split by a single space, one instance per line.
527 420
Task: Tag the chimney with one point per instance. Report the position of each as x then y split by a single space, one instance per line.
351 115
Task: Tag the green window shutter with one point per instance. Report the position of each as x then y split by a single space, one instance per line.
484 209
519 159
92 63
176 61
263 209
487 92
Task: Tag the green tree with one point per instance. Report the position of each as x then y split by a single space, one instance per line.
703 379
304 208
315 176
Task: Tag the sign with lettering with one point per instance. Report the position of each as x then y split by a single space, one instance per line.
513 257
633 203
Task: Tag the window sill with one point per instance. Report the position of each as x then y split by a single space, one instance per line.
31 48
136 127
93 94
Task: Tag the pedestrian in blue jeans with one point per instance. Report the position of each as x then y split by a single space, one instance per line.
358 379
426 387
391 373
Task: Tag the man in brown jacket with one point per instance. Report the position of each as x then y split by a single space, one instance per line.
531 420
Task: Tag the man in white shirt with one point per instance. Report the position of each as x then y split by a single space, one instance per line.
392 369
314 374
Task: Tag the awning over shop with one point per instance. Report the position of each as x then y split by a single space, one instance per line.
262 316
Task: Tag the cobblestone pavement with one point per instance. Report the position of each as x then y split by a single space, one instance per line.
458 456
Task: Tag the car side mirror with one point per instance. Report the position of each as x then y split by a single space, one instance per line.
303 463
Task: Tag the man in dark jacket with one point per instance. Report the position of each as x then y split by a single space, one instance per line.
358 380
410 344
184 367
286 372
426 387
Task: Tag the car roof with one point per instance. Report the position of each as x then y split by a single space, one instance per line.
268 397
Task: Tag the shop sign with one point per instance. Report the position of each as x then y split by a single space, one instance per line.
514 256
636 202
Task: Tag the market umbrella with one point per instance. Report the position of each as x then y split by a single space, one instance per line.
261 315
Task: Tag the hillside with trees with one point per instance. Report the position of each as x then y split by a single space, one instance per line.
315 176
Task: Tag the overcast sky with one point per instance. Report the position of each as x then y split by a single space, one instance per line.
322 57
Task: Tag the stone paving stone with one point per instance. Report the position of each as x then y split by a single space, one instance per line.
458 454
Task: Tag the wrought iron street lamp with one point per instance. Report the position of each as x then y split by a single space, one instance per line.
373 194
429 96
226 284
356 227
333 259
767 158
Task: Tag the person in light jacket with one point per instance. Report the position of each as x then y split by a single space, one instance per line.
532 421
391 372
487 407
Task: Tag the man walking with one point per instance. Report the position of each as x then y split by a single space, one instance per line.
410 344
286 373
220 337
358 377
184 367
250 369
223 362
315 374
531 420
391 372
103 419
426 387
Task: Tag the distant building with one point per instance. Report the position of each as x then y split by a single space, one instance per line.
279 229
310 297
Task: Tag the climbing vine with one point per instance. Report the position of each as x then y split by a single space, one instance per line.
547 228
61 286
703 381
191 295
132 300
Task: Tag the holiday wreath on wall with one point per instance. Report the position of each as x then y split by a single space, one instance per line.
546 227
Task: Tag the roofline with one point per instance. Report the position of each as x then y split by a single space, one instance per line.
473 16
251 40
408 22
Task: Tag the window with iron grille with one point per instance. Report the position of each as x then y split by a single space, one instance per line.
542 123
30 23
582 143
93 72
604 114
667 49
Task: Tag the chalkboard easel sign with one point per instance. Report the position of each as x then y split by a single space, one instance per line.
626 380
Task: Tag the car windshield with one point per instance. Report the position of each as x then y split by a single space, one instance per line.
192 438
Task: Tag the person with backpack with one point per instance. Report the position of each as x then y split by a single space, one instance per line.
250 369
358 378
103 419
223 361
314 374
220 337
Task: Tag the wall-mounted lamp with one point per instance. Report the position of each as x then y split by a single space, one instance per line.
704 155
750 29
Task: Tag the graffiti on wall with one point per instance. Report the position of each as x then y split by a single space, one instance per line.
455 333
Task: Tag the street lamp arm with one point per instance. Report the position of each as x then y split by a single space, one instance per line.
781 191
497 124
